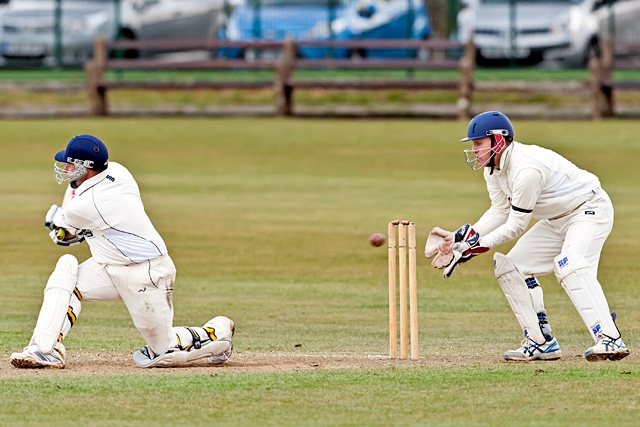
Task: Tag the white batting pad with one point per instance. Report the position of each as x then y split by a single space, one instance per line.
57 296
222 327
537 298
518 296
581 284
213 339
176 357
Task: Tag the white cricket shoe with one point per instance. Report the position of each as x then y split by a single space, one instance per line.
606 348
32 357
221 358
529 351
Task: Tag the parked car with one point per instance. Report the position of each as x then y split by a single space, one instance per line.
565 31
28 26
315 20
382 19
591 20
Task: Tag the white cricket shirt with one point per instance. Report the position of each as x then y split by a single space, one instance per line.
109 209
531 182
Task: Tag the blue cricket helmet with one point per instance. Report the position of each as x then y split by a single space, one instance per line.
86 150
489 123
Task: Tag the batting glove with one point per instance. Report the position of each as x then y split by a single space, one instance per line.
48 218
65 239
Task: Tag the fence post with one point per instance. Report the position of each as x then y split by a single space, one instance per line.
284 69
94 70
57 27
466 66
595 69
607 75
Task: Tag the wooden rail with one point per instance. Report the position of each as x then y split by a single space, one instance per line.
429 55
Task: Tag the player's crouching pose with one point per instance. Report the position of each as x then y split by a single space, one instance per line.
575 218
129 262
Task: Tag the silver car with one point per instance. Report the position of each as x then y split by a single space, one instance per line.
28 33
565 32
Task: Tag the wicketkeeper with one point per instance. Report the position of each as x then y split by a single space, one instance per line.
575 217
129 262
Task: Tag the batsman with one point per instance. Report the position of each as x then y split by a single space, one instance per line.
575 217
129 262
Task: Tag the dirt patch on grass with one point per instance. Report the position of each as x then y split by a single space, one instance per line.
81 363
84 363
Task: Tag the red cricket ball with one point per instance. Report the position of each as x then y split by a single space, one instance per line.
377 239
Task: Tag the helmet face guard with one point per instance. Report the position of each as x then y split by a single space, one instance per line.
61 174
498 144
472 155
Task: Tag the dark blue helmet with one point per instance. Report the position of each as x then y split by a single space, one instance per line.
85 150
489 123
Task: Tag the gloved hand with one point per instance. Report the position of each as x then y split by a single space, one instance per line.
61 237
48 218
438 247
467 245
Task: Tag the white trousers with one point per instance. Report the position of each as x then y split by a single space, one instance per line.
582 233
145 288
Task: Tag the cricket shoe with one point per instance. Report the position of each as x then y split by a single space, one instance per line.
32 357
529 351
606 348
221 358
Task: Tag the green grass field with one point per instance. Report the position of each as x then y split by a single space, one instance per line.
267 221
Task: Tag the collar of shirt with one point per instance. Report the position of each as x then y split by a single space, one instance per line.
504 159
91 182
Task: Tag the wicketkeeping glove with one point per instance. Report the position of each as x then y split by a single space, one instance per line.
438 247
466 246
